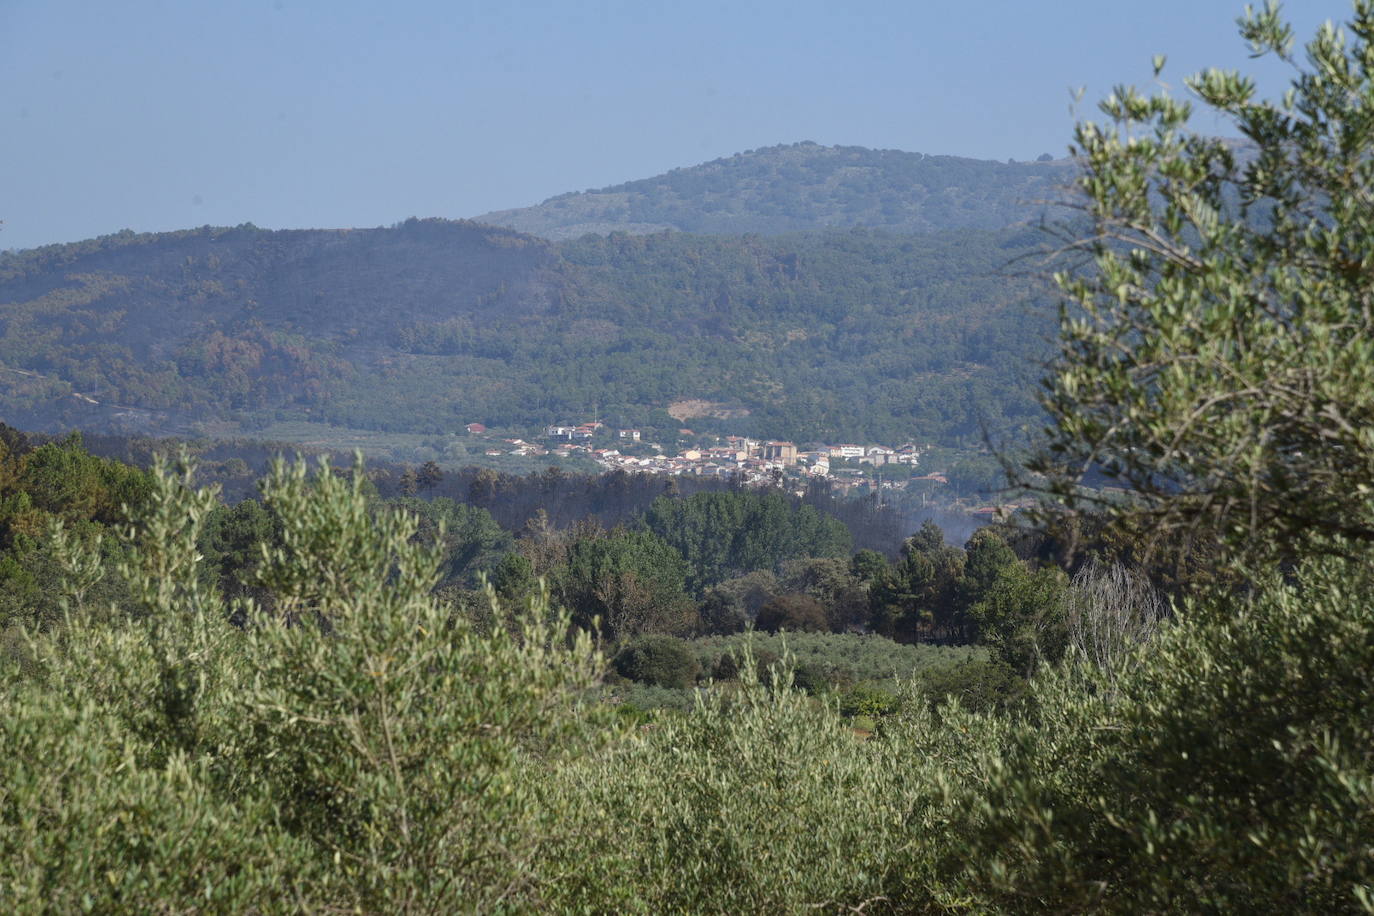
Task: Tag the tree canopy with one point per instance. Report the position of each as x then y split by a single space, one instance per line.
731 533
1217 348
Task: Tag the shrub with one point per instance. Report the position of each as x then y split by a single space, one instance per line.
982 685
794 612
761 801
846 657
811 678
360 749
659 661
868 701
727 666
1225 766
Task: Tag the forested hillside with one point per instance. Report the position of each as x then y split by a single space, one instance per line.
431 324
203 322
805 186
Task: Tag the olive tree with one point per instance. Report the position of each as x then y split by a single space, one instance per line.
1216 357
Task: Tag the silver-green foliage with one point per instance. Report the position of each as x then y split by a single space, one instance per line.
114 754
854 657
386 729
1226 765
763 800
1217 357
359 747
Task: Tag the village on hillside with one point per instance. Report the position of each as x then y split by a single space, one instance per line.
751 461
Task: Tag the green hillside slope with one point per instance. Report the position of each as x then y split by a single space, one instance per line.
805 187
431 324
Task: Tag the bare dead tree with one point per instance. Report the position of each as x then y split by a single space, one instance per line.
1111 611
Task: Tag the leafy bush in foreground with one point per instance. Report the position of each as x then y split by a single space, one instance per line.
367 750
362 749
1232 770
1225 766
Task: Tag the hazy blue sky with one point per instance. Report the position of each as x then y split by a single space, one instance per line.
156 114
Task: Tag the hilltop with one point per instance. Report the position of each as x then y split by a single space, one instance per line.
804 187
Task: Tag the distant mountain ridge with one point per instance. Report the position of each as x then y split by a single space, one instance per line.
805 187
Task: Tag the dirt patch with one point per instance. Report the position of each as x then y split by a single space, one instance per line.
695 407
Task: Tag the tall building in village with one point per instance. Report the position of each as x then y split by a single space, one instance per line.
786 452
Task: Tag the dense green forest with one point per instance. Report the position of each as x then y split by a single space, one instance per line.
806 187
431 325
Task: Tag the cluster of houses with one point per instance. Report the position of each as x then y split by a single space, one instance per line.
585 432
753 460
736 453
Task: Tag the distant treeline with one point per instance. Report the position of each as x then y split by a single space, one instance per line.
563 499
